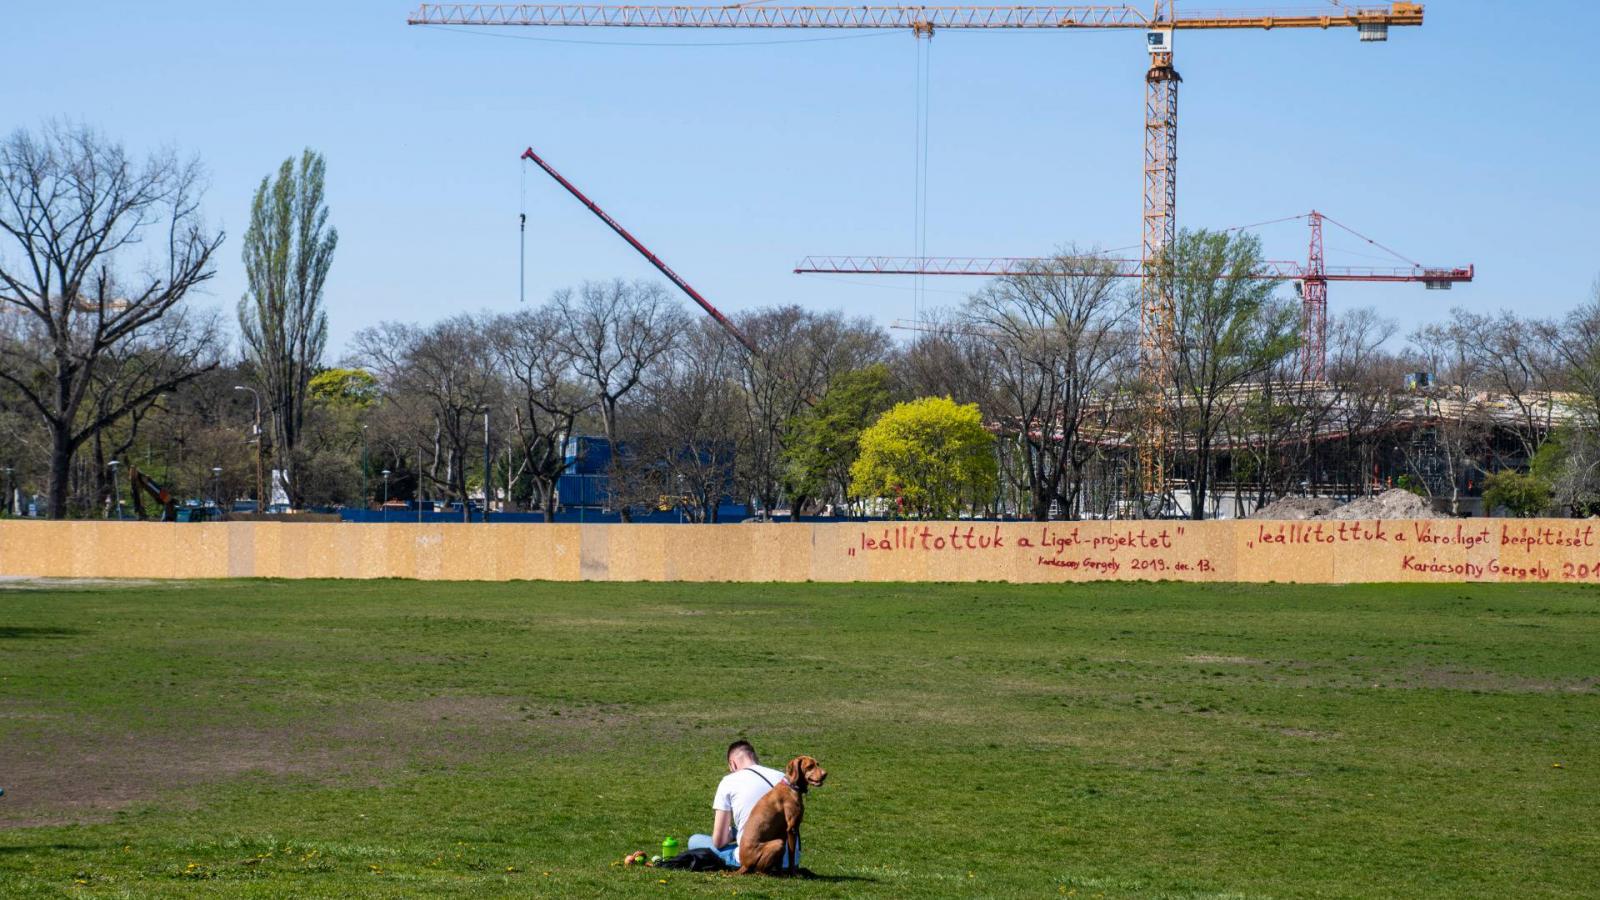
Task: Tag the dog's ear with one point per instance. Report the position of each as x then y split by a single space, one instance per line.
796 772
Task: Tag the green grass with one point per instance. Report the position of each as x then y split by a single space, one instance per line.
277 739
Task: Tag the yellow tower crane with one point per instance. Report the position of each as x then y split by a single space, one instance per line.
1160 20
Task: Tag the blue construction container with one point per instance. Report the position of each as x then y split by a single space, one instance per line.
586 483
583 490
587 454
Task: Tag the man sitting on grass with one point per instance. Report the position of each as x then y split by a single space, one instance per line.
745 784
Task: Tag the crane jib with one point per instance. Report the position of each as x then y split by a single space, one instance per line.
1371 18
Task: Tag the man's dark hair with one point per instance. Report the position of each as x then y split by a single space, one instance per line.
738 745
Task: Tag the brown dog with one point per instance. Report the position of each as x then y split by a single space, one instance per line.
774 824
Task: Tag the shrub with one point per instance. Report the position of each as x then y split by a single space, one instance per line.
1519 494
933 456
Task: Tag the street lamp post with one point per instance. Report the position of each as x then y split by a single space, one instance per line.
262 501
216 488
11 493
488 471
116 495
385 506
366 498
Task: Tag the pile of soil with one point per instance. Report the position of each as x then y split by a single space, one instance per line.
1296 508
1391 504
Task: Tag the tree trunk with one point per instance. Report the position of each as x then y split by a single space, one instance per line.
57 490
608 421
547 499
433 464
1041 508
1198 486
103 498
458 475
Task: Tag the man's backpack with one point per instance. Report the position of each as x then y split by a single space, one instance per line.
702 860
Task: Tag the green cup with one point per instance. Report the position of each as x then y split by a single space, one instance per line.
669 848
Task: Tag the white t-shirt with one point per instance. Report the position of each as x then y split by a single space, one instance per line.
739 792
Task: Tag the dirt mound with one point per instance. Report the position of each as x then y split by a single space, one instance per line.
1296 508
1391 504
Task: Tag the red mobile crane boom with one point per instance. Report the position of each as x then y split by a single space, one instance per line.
644 251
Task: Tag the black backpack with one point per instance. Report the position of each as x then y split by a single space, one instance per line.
702 860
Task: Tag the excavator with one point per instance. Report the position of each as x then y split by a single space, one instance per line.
142 484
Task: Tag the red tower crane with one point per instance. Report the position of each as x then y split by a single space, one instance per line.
1312 277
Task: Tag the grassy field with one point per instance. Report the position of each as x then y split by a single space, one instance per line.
276 739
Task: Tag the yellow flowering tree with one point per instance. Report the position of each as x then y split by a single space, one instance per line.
931 457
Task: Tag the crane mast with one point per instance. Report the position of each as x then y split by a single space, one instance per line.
1160 231
1160 22
1314 308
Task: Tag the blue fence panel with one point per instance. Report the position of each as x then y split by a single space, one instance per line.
566 516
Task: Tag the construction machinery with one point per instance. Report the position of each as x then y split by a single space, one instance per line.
1160 21
140 485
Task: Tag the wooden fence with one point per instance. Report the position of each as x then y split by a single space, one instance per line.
1530 550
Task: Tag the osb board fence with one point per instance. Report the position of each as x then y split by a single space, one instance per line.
1528 550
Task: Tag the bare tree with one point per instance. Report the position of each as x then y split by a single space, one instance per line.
1271 434
1574 345
190 432
615 332
441 376
170 353
1368 379
549 398
775 386
687 417
1454 440
288 250
946 359
800 353
1282 435
22 442
1056 337
101 248
1515 363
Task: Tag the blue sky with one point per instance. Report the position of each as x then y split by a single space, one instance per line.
1470 139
